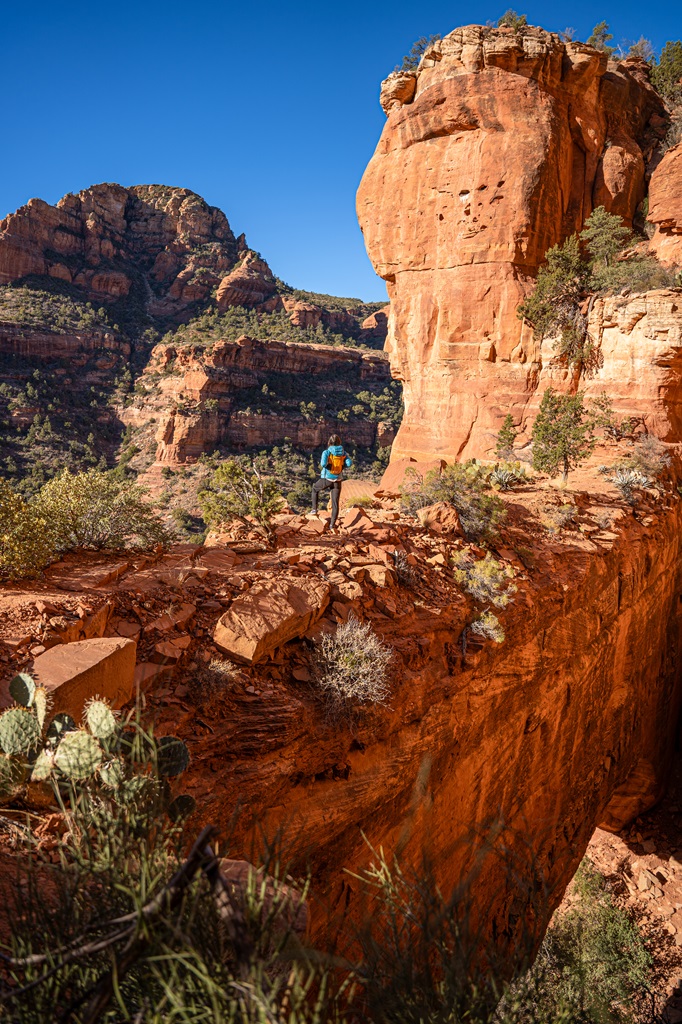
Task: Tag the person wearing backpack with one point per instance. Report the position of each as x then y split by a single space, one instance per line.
333 462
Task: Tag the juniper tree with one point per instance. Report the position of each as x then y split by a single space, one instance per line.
666 74
604 236
554 304
506 438
242 489
601 37
563 434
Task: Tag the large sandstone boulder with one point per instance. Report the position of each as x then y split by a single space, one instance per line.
641 790
270 614
249 284
665 207
73 673
501 147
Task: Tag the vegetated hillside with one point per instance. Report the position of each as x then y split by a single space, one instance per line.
89 287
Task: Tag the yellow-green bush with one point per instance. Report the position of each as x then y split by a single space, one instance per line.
93 510
485 579
26 542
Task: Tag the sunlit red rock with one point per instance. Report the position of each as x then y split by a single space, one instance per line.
509 142
665 207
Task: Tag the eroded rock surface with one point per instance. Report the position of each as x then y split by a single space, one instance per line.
502 149
665 207
108 239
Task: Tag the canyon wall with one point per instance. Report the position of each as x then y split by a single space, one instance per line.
497 147
199 396
538 737
665 207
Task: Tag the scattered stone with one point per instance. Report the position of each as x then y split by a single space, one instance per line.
73 673
270 614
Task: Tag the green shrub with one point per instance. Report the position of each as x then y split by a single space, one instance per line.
464 485
129 918
486 579
352 668
562 434
94 510
510 19
591 967
241 489
26 538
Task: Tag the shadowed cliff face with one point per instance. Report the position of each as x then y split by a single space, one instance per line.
501 147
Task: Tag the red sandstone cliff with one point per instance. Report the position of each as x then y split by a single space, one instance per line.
496 148
183 379
108 238
665 207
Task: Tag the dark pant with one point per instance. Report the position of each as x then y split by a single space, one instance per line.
328 485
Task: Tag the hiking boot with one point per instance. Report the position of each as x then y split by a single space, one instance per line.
312 515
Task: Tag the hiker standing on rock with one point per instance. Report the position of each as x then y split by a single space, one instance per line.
333 462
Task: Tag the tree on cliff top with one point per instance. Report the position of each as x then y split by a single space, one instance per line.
410 61
562 434
666 74
601 37
510 19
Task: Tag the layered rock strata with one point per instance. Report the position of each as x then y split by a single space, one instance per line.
201 396
501 147
109 239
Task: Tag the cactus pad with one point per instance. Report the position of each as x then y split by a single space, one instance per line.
41 704
99 719
111 773
172 756
43 767
19 731
58 727
78 755
12 775
22 689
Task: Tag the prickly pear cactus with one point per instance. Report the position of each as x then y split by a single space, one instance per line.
12 775
43 766
172 756
41 705
22 689
99 718
78 755
58 727
19 731
111 773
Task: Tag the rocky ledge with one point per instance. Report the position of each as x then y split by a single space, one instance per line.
566 724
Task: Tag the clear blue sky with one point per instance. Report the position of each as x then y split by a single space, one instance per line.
268 110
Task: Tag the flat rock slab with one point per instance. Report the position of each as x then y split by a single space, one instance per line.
73 673
270 614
